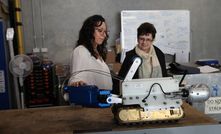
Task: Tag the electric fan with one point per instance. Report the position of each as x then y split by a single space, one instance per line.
21 66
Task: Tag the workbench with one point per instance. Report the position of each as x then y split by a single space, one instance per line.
69 119
212 80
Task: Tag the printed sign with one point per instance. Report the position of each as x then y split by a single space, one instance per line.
213 105
2 82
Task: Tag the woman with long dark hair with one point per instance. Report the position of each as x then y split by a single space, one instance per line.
87 62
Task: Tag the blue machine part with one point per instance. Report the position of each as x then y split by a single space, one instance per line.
89 96
207 62
4 72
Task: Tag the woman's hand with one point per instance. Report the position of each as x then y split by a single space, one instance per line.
78 83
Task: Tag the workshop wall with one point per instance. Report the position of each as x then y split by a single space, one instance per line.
62 20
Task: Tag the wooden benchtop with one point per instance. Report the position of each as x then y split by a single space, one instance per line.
66 119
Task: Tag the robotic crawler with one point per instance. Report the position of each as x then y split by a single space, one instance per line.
141 100
155 100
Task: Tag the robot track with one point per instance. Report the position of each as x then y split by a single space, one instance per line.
136 115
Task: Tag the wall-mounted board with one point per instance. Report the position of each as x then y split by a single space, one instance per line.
173 30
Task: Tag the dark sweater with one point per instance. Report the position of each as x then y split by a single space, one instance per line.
128 62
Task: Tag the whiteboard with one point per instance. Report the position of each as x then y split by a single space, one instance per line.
173 30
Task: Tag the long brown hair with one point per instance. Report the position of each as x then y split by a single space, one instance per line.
86 36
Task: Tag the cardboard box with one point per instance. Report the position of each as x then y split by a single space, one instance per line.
62 69
115 66
110 56
4 13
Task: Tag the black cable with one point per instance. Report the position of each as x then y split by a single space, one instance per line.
91 70
151 89
94 71
184 74
97 71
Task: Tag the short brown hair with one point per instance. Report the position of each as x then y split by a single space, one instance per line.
146 28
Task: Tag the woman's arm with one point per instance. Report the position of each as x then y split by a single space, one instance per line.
79 60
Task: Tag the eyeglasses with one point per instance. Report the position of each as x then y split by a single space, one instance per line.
102 31
147 40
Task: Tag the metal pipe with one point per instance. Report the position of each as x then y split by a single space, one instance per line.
18 28
17 95
33 19
42 25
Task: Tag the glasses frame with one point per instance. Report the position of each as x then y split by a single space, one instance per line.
147 40
101 31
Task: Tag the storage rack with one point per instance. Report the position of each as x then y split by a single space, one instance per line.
39 87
